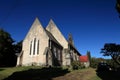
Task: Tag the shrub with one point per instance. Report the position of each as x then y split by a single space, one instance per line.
76 65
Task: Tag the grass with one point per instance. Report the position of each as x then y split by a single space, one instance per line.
5 72
31 73
38 73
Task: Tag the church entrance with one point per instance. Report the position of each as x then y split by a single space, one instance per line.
49 59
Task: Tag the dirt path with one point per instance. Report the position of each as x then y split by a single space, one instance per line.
84 74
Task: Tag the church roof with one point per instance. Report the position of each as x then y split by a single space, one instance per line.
51 25
34 25
52 37
83 58
55 31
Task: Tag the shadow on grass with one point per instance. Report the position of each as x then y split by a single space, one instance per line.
1 69
38 74
109 75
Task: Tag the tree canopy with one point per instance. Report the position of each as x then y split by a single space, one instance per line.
118 6
7 52
18 47
113 50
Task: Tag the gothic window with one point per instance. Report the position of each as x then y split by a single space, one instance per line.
58 54
38 47
30 47
67 55
49 44
71 53
65 50
76 57
55 52
34 46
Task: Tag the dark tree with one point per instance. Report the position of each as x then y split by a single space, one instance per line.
96 61
113 50
18 47
7 56
118 6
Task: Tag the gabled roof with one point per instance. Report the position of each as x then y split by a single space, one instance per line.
51 25
83 58
51 37
54 30
34 25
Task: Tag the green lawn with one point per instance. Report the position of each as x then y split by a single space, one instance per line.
5 72
37 73
31 73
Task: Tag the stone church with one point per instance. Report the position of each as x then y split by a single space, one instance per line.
46 47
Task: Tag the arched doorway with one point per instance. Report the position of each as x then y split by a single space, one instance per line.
49 58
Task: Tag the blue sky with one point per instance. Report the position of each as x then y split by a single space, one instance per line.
91 22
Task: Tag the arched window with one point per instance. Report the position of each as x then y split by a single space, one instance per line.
34 46
55 51
30 47
38 47
59 55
